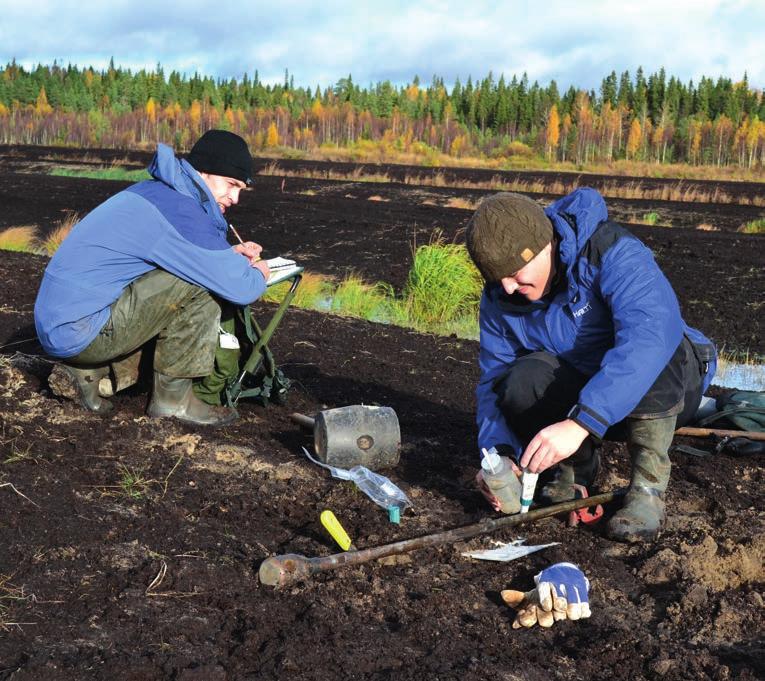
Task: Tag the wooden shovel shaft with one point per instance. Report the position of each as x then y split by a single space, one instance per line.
310 566
706 432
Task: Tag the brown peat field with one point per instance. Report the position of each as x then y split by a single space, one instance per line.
130 547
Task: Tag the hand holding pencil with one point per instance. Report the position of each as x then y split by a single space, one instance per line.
251 251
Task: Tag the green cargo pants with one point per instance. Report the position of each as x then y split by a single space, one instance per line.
183 317
210 388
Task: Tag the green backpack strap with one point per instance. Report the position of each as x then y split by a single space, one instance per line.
741 409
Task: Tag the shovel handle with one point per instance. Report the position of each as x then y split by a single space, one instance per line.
303 420
290 568
706 432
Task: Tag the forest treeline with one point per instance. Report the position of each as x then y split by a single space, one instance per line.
642 118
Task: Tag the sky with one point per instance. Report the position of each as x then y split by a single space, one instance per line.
573 43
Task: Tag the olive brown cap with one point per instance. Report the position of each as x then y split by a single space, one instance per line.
505 233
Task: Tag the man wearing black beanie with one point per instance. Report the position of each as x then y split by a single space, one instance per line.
152 262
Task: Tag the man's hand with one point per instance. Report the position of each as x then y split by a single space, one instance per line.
250 250
483 488
553 444
262 265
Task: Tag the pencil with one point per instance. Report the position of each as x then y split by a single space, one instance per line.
236 234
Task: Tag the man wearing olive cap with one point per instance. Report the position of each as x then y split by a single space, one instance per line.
152 262
581 340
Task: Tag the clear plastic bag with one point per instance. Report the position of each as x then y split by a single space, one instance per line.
377 487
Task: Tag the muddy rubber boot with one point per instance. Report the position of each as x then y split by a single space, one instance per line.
642 515
175 397
80 385
580 468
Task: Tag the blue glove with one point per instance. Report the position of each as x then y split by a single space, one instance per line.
564 588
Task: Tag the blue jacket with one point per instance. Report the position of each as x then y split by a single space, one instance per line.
171 222
616 320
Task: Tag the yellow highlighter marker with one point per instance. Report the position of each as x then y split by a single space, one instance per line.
333 526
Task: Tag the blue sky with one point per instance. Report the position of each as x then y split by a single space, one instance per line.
574 43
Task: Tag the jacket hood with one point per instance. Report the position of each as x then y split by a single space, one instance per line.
183 178
575 218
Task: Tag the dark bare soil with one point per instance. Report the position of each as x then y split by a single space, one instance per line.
104 579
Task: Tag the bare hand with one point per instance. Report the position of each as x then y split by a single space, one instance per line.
250 250
553 444
483 488
262 265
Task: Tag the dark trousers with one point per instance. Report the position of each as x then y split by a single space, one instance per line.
540 389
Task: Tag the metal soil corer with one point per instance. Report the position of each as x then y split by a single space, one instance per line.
281 571
356 435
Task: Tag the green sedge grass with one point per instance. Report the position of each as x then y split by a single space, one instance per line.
113 173
443 286
754 227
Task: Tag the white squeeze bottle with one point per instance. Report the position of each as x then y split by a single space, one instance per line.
501 480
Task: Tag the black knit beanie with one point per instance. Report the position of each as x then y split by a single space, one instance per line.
220 152
506 232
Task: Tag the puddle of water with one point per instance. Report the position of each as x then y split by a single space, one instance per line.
740 376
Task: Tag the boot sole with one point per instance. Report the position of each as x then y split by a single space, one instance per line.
632 537
158 414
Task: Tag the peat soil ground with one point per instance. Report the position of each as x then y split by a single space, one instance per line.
129 547
334 227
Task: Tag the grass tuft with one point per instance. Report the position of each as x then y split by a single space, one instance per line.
465 204
312 294
356 298
20 239
132 483
443 286
52 242
753 227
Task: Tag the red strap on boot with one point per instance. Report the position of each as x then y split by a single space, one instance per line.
584 515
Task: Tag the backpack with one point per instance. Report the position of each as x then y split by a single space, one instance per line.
739 410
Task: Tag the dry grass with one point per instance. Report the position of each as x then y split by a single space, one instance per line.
380 153
706 227
10 595
635 189
51 244
22 239
313 289
464 204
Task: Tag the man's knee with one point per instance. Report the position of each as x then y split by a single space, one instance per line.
526 382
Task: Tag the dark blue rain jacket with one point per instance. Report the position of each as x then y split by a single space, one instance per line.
617 320
171 222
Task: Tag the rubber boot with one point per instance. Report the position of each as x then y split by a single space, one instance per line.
642 515
175 397
580 468
80 385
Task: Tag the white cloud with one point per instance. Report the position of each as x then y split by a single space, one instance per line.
320 42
